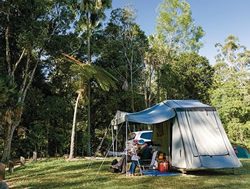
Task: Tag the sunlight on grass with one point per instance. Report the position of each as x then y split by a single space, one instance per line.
58 173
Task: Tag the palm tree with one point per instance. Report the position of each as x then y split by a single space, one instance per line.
72 142
86 72
91 13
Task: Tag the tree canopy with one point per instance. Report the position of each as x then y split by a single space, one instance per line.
62 61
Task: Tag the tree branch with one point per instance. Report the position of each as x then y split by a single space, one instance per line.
17 63
29 82
7 49
26 75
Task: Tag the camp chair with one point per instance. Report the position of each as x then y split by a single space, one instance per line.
151 166
149 163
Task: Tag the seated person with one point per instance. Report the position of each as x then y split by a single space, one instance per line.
145 152
120 165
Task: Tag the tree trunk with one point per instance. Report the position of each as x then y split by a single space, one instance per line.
158 85
132 89
72 143
89 119
131 81
7 45
16 118
89 86
150 86
7 142
145 92
16 113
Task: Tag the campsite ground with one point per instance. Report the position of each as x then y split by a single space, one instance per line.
58 173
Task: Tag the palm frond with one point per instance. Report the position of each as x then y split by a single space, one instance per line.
89 71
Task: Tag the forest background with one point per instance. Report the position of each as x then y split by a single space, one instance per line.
65 71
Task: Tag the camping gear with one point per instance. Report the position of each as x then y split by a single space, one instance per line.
154 163
114 168
190 132
158 173
163 166
241 152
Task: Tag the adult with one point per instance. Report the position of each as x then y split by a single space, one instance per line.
141 153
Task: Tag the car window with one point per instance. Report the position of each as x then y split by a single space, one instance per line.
147 135
131 136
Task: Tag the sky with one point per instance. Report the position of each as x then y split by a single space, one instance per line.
218 18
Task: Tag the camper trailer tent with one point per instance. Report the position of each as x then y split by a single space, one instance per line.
189 132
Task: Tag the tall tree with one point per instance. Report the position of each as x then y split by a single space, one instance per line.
90 15
188 77
231 89
27 26
85 73
233 53
176 33
176 26
133 44
72 141
156 56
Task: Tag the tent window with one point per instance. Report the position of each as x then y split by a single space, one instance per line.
187 132
206 133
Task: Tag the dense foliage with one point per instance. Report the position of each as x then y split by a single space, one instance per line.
231 89
60 62
189 76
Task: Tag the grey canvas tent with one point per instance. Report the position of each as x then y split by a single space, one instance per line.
188 131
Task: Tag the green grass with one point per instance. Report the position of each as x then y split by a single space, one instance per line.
61 174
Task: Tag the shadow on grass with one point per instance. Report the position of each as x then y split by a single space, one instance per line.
244 170
72 167
62 169
210 173
75 180
50 184
55 174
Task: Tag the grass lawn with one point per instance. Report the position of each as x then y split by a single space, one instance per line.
61 174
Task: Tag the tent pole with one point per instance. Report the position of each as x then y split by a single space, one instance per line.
116 131
126 147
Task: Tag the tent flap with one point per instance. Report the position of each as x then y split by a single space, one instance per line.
159 113
155 114
119 118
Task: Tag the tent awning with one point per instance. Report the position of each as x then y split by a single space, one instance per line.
155 114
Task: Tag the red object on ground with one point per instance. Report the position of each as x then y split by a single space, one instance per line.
163 166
